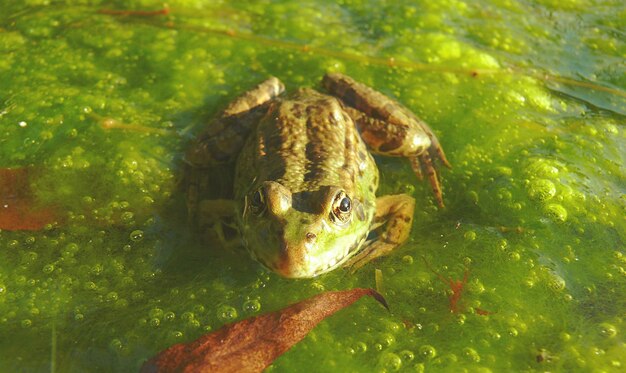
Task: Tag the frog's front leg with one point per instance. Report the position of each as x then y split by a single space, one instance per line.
224 137
392 220
389 128
213 216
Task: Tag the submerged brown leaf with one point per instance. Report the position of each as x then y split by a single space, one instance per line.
253 344
18 210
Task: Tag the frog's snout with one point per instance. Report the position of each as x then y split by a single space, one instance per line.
294 259
279 199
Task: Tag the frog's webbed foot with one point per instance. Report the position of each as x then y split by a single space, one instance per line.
393 220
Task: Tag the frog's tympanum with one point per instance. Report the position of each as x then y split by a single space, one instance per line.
304 194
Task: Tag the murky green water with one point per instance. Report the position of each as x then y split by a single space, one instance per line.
527 97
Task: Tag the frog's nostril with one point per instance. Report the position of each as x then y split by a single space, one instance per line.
310 237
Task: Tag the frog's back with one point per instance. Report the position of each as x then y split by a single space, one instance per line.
304 142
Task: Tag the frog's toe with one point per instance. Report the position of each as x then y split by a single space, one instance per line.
437 152
424 163
375 249
417 167
357 262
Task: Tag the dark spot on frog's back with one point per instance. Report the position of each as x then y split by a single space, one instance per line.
298 110
332 117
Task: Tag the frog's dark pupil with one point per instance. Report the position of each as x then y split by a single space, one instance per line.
345 204
257 199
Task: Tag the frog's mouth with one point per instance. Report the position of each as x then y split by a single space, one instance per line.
295 261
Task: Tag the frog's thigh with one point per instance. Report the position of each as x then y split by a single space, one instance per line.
387 126
394 215
391 139
213 215
254 97
224 137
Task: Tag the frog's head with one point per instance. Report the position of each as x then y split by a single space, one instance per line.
303 234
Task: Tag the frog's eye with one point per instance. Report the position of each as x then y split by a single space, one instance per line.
257 202
342 207
345 205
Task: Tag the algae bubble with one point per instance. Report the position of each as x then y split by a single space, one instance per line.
541 189
360 347
391 362
169 316
608 330
252 306
226 313
48 268
556 212
427 351
470 235
471 354
136 235
116 344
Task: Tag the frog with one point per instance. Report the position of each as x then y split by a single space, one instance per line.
303 199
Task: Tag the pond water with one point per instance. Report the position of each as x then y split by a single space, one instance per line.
527 97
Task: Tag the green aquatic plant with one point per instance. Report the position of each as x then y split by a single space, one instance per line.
527 99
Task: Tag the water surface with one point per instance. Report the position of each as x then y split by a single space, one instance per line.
527 98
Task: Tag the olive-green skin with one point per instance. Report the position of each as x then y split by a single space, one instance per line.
304 152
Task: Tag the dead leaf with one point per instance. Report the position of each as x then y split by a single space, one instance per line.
253 344
18 209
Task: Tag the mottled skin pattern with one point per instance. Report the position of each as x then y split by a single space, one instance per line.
305 183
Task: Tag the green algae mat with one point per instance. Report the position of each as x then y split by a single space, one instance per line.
524 270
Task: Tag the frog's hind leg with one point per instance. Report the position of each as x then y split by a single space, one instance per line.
389 128
408 141
393 219
224 137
